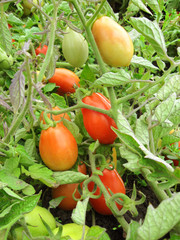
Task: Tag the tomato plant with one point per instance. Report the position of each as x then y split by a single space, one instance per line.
5 60
177 146
41 50
58 148
114 43
65 79
67 190
98 125
55 117
113 183
74 48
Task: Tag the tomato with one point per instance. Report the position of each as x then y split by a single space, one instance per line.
98 125
67 190
55 117
74 48
41 50
9 26
111 180
114 43
5 60
35 224
65 79
58 148
72 230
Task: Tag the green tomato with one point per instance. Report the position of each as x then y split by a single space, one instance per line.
75 48
72 230
27 6
5 60
35 224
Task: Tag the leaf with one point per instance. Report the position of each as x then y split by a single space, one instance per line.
87 75
113 79
165 109
17 211
154 5
132 231
59 100
141 6
74 129
153 34
66 177
11 193
4 104
79 213
17 90
5 35
97 233
141 130
171 85
161 220
142 62
25 159
30 147
38 87
49 87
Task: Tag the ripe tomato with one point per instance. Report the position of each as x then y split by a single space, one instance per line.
58 148
98 125
65 80
74 48
42 50
114 43
67 190
111 180
55 117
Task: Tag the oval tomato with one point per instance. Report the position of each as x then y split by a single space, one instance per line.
5 60
58 148
98 125
114 43
74 48
65 79
42 50
111 180
67 190
55 117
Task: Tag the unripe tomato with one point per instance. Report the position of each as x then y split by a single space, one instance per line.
67 190
74 48
65 79
58 148
98 125
41 50
112 181
114 43
5 60
55 117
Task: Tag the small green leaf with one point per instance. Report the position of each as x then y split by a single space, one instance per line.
66 177
141 6
79 213
59 100
97 233
154 5
132 231
49 87
142 62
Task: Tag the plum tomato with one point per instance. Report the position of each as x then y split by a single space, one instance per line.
42 50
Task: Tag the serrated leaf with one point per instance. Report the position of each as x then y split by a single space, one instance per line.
79 213
165 109
17 90
161 220
113 79
141 6
142 62
49 87
17 211
25 159
141 130
153 34
59 100
5 35
171 85
66 177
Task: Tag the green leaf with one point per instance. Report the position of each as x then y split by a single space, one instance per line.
79 213
25 159
74 129
97 233
59 100
142 62
161 220
113 79
154 5
87 75
30 147
66 177
49 87
153 34
5 35
141 130
141 6
132 231
29 190
11 193
12 19
171 85
17 211
165 109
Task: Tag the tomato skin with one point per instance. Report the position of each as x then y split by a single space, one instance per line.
98 125
58 148
74 48
55 117
114 43
65 79
67 190
42 50
111 180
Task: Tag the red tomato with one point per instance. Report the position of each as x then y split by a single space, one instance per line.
65 80
67 190
98 125
42 50
9 26
111 180
114 43
55 117
58 148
